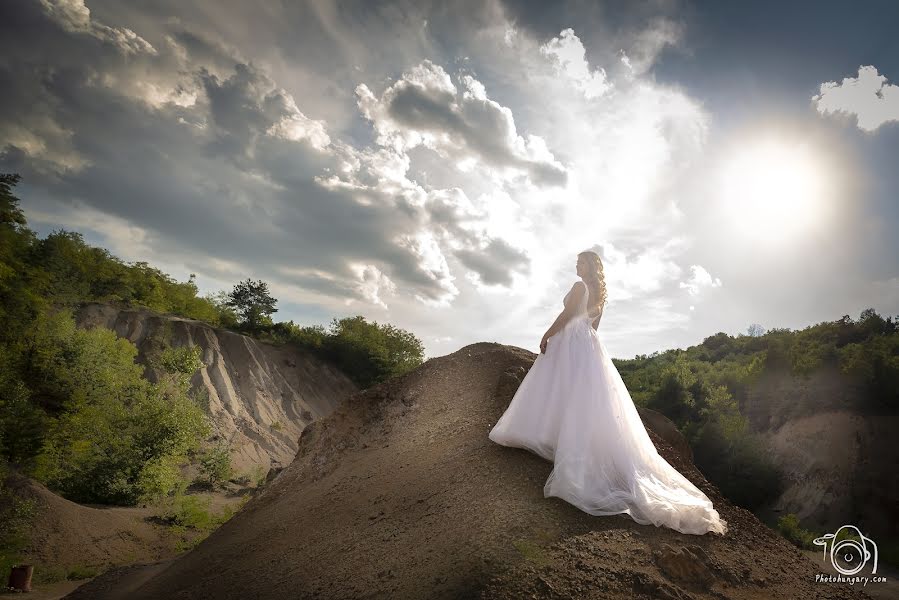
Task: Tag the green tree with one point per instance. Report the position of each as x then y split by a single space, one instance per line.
755 330
674 397
253 303
10 214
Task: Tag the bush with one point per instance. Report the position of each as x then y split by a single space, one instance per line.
259 475
215 464
117 438
370 353
788 526
16 516
738 466
189 512
22 423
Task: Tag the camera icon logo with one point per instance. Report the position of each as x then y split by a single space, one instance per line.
850 554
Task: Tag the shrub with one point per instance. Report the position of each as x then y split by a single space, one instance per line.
215 464
738 466
16 516
788 526
117 438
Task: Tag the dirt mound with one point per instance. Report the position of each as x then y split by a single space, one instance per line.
400 494
66 535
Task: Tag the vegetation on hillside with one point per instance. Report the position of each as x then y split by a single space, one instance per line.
703 388
76 412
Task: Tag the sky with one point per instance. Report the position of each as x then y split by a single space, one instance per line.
439 165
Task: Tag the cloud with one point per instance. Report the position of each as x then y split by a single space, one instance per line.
569 55
156 167
247 105
495 262
648 44
373 283
424 107
452 167
699 280
74 17
867 97
640 271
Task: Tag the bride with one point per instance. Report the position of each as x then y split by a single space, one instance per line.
573 408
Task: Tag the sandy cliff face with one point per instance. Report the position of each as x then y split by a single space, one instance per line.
261 396
839 464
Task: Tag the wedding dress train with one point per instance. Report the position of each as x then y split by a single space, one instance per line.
573 408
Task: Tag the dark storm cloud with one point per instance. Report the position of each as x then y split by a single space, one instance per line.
495 263
480 125
247 105
138 132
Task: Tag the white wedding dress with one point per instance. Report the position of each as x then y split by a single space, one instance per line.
573 408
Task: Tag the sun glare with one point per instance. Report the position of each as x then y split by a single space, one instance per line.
772 189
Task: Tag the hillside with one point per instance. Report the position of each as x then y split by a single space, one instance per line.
400 494
261 396
66 534
838 462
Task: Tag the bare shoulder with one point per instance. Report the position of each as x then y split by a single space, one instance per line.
579 286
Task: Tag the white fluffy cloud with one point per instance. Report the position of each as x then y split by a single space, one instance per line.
424 107
868 97
569 54
699 280
75 17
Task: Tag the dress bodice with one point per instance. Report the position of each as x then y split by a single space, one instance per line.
581 320
582 308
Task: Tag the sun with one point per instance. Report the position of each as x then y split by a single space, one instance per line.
771 189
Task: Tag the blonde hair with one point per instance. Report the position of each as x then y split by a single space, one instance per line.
595 279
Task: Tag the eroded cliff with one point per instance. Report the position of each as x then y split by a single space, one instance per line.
261 396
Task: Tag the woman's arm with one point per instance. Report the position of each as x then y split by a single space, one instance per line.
596 319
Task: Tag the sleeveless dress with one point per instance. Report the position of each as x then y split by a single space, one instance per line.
573 408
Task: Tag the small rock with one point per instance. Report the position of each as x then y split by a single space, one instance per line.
687 565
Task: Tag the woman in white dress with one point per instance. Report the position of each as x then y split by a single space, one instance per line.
573 408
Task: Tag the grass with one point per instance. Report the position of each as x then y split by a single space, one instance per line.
191 521
259 475
534 550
